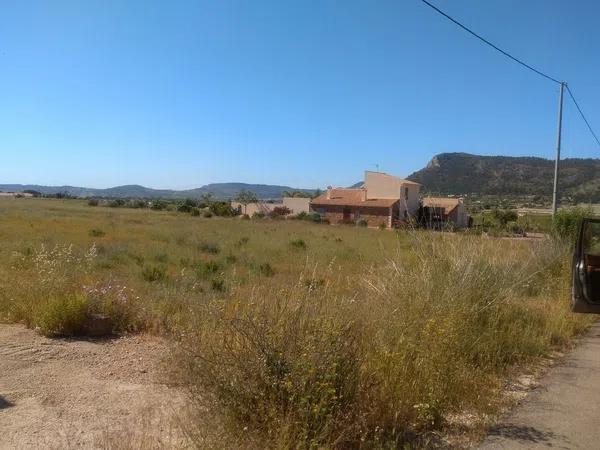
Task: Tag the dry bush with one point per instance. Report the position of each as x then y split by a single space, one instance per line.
428 334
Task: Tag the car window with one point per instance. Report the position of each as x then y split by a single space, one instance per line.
591 243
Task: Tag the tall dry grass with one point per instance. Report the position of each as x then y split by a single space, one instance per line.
354 338
429 333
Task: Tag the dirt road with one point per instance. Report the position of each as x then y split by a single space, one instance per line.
564 412
58 393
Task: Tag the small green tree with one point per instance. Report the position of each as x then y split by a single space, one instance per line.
245 197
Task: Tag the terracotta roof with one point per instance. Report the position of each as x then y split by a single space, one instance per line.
442 202
352 197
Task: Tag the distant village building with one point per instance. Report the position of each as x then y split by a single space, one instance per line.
295 205
441 211
382 199
16 194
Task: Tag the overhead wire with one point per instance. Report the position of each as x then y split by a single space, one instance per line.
517 60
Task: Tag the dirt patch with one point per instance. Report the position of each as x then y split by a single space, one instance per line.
64 393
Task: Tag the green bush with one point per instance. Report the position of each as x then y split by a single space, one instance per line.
93 202
154 273
195 212
217 284
158 205
265 269
116 203
207 268
298 243
362 223
566 222
62 315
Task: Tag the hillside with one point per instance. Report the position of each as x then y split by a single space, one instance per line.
463 173
218 190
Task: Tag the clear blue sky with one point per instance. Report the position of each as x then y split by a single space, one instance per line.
304 93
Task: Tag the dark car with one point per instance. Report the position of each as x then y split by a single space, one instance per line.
586 268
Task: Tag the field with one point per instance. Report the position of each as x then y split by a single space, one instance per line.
289 333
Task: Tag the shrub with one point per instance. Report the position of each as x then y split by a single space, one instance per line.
298 243
154 273
280 211
222 209
207 269
302 215
138 204
116 203
566 222
195 212
503 216
207 214
93 202
265 269
362 223
96 232
62 315
207 247
217 284
158 205
382 226
258 215
403 350
187 205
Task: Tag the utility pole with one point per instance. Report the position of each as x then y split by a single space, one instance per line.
558 138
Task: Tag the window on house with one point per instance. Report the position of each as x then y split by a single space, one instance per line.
406 193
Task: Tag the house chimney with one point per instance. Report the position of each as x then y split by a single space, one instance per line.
329 189
363 195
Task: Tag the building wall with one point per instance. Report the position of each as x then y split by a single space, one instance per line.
459 216
296 205
252 208
373 215
380 185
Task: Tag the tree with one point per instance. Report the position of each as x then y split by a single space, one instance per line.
245 197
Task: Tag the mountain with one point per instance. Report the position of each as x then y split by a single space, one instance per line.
463 173
218 190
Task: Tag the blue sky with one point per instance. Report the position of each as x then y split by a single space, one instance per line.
304 93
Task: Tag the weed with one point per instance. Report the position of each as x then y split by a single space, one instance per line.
207 269
207 247
217 284
298 243
154 273
265 269
96 232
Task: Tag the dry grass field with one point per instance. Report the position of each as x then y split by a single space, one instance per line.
291 334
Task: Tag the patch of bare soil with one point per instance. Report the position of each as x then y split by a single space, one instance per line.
66 393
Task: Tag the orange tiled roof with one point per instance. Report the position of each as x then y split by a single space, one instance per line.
351 197
448 204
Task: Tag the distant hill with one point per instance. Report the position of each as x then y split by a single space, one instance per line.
463 173
218 190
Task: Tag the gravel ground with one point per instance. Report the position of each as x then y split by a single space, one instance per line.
67 393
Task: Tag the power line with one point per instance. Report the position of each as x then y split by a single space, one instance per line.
508 55
582 115
468 30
